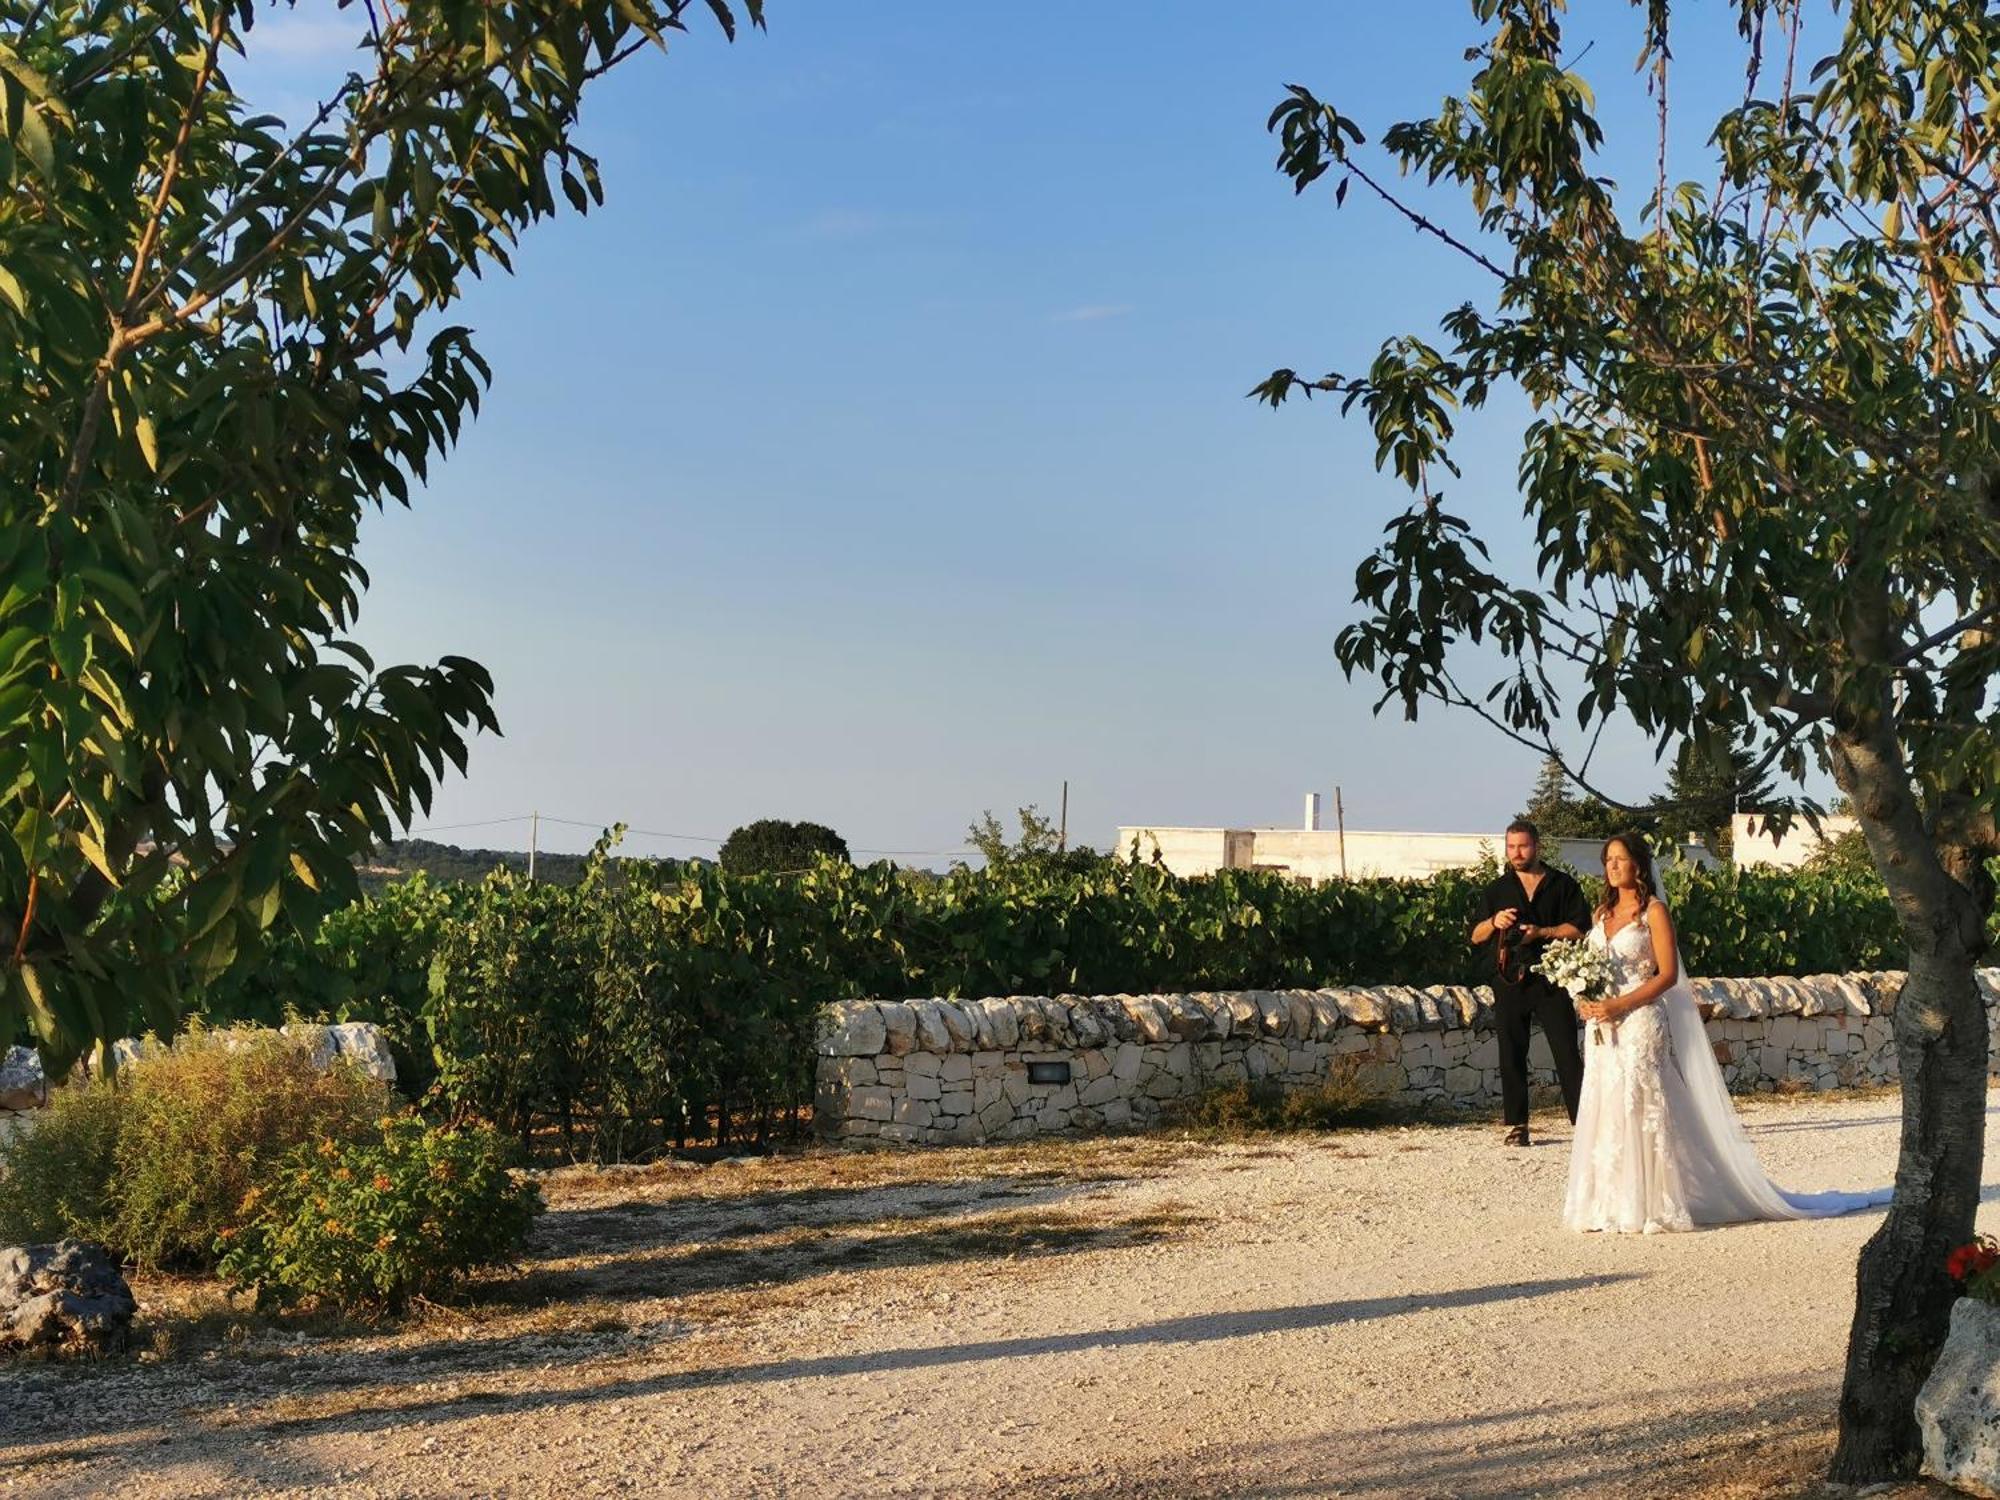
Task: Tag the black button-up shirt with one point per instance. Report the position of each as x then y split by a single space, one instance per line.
1557 900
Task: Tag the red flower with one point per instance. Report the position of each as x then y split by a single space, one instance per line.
1968 1261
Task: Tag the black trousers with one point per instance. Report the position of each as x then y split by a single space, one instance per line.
1557 1017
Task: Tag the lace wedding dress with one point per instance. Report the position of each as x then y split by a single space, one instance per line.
1658 1145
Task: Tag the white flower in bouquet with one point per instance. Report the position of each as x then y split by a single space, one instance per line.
1576 966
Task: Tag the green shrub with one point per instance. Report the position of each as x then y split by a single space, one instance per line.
632 1010
159 1159
56 1173
371 1224
366 961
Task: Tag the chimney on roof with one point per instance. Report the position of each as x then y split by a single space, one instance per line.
1312 812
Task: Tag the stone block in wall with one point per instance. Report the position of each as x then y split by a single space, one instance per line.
1147 1018
1245 1019
900 1021
1127 1062
1327 1019
909 1111
932 1034
1186 1021
1006 1024
851 1028
1056 1029
1113 1020
957 1068
963 1031
1100 1091
1014 1085
955 1102
1298 1014
1473 1007
1165 1085
1273 1015
923 1064
1117 1114
1484 1053
1221 1019
1085 1022
1423 1049
924 1086
870 1104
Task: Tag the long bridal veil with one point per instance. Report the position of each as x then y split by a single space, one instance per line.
1722 1179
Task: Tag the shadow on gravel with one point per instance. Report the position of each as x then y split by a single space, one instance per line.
645 1267
259 1458
676 1220
1780 1127
1766 1439
1201 1329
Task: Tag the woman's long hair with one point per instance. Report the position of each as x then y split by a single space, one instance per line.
1642 861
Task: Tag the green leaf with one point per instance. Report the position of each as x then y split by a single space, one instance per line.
35 142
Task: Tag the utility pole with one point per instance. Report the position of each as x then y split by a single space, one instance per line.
1340 822
534 838
1062 828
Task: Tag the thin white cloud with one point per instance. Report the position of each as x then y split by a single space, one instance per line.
1094 312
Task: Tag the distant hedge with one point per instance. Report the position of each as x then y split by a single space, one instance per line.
648 1005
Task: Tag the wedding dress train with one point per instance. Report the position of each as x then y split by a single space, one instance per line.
1658 1145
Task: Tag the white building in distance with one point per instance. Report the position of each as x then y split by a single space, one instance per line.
1754 846
1315 853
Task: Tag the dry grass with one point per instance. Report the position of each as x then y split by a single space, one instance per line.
657 1252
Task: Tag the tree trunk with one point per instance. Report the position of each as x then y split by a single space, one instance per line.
1903 1297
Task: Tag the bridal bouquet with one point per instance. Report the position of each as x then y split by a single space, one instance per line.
1579 968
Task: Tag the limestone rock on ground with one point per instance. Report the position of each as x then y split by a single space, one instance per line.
362 1043
22 1085
70 1295
1958 1409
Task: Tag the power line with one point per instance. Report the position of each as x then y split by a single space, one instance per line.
689 838
446 827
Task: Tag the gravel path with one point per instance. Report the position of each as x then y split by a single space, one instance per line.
1391 1312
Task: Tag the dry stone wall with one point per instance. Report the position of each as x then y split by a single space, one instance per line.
943 1072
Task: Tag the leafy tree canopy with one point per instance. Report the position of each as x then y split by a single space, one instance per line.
1560 815
219 346
1704 794
771 845
1762 471
1040 843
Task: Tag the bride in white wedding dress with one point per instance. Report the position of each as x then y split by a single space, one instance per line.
1658 1146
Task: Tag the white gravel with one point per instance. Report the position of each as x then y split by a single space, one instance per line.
1393 1312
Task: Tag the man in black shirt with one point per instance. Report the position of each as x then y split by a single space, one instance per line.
1528 906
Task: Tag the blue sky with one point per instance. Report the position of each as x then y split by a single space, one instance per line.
879 453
